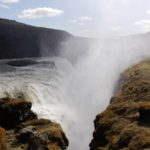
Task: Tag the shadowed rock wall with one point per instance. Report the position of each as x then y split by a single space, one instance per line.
19 40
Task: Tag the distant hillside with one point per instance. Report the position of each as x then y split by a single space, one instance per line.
19 40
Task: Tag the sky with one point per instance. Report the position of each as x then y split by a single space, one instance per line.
86 18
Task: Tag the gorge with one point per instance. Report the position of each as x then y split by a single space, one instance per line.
76 82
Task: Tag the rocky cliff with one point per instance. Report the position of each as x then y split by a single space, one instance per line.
19 40
22 130
125 124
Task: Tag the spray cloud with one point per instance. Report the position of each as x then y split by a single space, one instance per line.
94 77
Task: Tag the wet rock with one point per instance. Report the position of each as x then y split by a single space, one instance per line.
37 141
23 63
25 133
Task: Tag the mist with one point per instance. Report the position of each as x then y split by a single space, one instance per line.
95 73
80 84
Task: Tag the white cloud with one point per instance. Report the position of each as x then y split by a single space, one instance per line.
40 12
81 24
143 23
116 28
9 1
80 20
72 21
4 6
89 30
85 18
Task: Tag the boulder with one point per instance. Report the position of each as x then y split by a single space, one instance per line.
42 134
36 122
38 141
14 112
56 137
25 133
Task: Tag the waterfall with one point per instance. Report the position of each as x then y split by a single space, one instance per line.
67 94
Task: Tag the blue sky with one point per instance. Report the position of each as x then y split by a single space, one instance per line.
90 18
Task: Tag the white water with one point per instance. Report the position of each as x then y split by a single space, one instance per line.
71 96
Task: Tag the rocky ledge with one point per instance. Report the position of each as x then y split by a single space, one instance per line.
125 124
22 130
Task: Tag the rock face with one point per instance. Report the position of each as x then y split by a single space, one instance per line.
51 135
125 124
42 134
14 112
24 131
18 40
2 139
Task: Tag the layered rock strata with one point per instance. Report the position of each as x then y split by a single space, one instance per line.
125 124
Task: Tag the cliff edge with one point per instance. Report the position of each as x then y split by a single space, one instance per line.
18 40
125 124
20 129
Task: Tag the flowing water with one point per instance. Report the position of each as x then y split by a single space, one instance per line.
51 91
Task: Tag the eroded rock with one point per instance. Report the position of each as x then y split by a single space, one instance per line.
48 135
14 112
25 133
124 125
39 123
38 141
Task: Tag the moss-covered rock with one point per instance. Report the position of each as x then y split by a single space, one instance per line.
125 124
14 112
42 134
39 123
2 139
24 131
